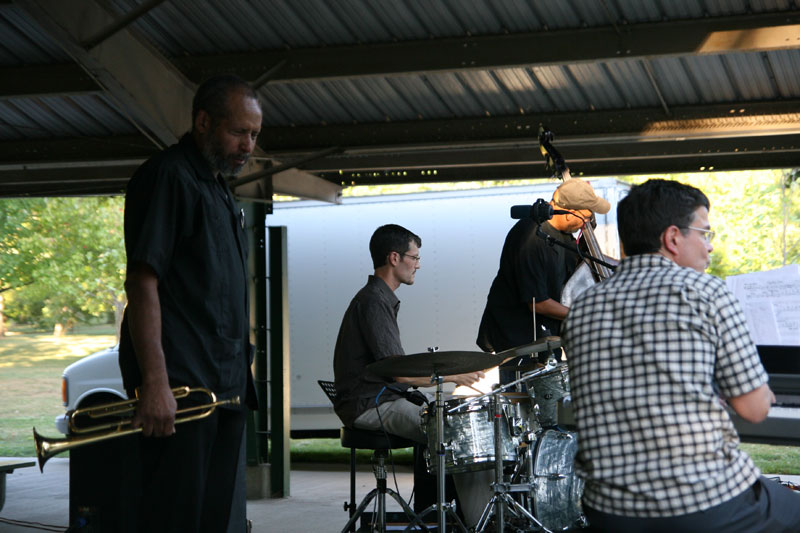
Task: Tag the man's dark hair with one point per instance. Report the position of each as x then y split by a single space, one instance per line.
390 238
652 207
212 95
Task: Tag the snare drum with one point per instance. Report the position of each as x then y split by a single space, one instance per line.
469 435
547 388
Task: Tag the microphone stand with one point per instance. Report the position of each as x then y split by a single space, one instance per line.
574 249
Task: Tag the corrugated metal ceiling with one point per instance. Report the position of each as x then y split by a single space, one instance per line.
311 107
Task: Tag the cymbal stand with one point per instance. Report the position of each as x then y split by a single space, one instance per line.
501 499
442 509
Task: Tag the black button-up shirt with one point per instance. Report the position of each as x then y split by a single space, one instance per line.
368 333
530 269
181 221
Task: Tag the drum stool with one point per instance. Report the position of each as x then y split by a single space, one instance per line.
380 443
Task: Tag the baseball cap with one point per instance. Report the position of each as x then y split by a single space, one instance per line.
578 194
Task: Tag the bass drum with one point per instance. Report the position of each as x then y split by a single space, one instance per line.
556 489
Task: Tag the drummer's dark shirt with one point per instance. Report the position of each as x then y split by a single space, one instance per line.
368 333
182 221
530 268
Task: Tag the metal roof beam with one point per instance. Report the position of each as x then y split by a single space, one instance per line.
596 160
69 176
41 80
35 152
600 149
149 90
768 31
629 125
722 162
94 188
152 93
122 22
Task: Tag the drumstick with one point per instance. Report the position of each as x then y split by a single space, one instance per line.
473 388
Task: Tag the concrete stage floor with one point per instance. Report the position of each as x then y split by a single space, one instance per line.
316 503
318 493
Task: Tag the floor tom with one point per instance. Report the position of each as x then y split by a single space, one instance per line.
556 489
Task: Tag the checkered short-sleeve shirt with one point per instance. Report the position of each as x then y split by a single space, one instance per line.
650 352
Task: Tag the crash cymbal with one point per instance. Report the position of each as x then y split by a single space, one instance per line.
545 344
430 363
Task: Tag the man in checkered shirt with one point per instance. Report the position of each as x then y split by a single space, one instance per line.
654 354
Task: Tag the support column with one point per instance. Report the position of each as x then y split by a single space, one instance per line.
278 357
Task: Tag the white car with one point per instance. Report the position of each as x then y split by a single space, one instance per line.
93 380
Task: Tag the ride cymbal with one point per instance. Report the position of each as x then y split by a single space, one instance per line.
433 363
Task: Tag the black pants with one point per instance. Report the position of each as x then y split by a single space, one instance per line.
766 507
188 479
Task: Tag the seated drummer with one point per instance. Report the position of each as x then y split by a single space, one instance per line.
655 352
368 333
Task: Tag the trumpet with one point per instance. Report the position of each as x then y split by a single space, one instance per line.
48 447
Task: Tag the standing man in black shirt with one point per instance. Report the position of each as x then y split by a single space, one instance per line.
187 322
532 274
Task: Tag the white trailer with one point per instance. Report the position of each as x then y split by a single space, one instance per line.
462 234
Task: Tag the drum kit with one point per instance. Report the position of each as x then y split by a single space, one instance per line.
514 430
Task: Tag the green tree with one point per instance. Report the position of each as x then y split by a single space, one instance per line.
756 215
68 258
14 273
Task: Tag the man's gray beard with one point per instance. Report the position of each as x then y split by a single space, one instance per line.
213 153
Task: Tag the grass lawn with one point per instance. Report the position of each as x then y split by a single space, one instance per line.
30 383
30 396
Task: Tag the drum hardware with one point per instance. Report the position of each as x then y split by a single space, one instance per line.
441 508
435 364
544 344
497 505
543 487
542 479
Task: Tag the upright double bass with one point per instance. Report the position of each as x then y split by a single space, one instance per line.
588 272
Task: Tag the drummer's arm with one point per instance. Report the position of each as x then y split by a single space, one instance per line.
459 379
550 308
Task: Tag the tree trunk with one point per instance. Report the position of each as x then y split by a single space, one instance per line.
119 308
2 318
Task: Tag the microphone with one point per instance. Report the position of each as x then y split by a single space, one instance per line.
540 211
414 396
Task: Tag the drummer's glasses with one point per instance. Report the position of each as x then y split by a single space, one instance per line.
708 235
414 257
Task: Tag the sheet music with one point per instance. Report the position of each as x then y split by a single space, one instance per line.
771 303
